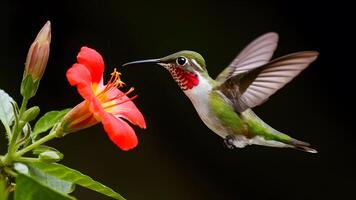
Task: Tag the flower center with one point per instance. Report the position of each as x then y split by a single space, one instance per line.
110 96
114 82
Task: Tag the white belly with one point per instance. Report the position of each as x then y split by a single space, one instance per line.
199 96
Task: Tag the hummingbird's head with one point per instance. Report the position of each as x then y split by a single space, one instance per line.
184 66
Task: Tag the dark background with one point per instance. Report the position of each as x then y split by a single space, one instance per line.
178 157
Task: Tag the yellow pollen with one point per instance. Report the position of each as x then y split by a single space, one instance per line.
115 79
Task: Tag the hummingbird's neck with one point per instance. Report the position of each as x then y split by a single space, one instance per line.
204 87
185 79
188 80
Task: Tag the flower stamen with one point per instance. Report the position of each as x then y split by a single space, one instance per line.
81 118
121 102
121 95
114 81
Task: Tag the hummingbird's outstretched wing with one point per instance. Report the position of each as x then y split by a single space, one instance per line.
254 87
256 54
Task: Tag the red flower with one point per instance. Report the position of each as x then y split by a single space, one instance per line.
103 103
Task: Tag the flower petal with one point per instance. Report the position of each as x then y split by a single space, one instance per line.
127 110
93 61
79 75
119 132
97 108
130 113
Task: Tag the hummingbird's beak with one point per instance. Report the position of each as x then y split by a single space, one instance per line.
157 61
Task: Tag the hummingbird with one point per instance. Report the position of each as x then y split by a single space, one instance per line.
225 103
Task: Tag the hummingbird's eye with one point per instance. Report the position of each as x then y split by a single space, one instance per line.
181 61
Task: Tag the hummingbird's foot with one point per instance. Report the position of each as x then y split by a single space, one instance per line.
229 141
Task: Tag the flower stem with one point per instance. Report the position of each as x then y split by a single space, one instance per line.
23 106
4 188
18 127
27 159
10 172
16 132
50 136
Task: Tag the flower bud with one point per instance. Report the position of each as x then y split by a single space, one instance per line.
31 114
36 62
50 156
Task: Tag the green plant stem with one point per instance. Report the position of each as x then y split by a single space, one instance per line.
10 171
4 188
50 136
18 127
23 106
27 159
16 132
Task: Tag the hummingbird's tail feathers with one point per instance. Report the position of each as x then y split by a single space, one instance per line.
306 149
272 137
302 146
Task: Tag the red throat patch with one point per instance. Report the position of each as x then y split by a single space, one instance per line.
186 80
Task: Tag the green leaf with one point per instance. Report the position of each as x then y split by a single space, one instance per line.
61 186
28 188
67 174
48 120
6 109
